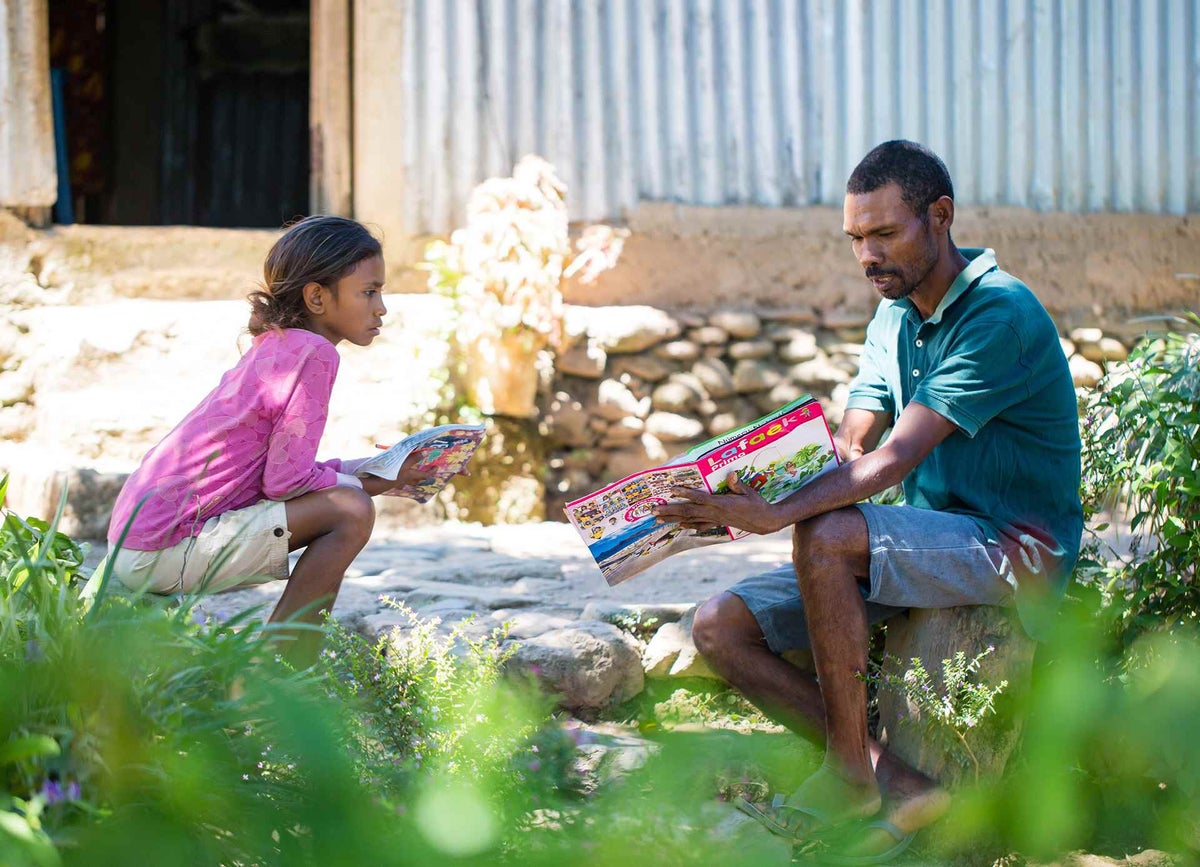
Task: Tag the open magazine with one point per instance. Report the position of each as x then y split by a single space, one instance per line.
443 452
775 455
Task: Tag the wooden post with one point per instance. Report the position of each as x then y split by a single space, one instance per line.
28 177
380 112
331 109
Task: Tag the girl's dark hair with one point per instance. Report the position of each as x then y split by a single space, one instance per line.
313 250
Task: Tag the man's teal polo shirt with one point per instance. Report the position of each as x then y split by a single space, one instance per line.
989 360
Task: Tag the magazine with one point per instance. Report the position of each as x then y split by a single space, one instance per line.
443 452
775 455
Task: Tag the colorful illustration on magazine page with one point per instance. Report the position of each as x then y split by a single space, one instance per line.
624 538
774 477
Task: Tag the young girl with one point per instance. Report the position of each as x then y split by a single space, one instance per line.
236 485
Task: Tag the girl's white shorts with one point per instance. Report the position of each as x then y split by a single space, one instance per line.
235 549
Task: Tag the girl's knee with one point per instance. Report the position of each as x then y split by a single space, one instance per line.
354 511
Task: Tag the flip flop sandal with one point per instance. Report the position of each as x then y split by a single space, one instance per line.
795 823
902 842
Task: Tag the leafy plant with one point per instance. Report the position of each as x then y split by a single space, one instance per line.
1141 456
949 710
426 700
639 624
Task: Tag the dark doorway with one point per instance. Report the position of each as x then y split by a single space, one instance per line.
204 116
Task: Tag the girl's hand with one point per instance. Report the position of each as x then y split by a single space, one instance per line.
409 474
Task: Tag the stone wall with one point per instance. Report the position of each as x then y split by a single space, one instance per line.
638 385
1087 269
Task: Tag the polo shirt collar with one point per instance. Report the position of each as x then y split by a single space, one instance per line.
981 261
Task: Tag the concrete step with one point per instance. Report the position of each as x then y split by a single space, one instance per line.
89 263
174 262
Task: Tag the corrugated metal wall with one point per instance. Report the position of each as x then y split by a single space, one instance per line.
1075 105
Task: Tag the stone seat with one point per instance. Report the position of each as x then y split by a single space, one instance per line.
934 635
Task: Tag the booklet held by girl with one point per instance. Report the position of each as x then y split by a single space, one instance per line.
775 455
443 452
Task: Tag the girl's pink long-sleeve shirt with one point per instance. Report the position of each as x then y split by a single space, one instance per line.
254 437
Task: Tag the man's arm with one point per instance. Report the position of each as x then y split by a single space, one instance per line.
859 432
917 431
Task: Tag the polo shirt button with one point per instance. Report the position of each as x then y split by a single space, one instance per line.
278 531
920 342
916 372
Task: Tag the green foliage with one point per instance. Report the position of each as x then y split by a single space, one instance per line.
421 699
1141 438
639 624
132 729
1110 765
718 708
947 710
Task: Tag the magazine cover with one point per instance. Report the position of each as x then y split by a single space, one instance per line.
775 455
442 452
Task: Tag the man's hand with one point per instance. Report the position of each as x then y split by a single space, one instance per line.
743 508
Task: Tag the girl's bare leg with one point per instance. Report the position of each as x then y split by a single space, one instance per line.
332 525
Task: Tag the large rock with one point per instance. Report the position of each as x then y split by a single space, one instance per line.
672 427
38 481
846 318
615 402
592 666
715 375
623 431
586 359
636 617
630 329
676 395
1084 373
751 375
672 652
678 350
819 374
709 335
801 346
1104 349
567 421
640 454
793 316
650 368
934 636
784 392
751 349
741 324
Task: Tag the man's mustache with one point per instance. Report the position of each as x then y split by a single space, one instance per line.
874 272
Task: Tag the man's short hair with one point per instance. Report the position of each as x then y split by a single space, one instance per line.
920 174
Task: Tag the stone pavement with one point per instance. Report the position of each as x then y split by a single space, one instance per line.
539 578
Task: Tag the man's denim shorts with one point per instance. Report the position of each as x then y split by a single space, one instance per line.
919 559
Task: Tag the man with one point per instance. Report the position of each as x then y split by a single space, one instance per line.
965 367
